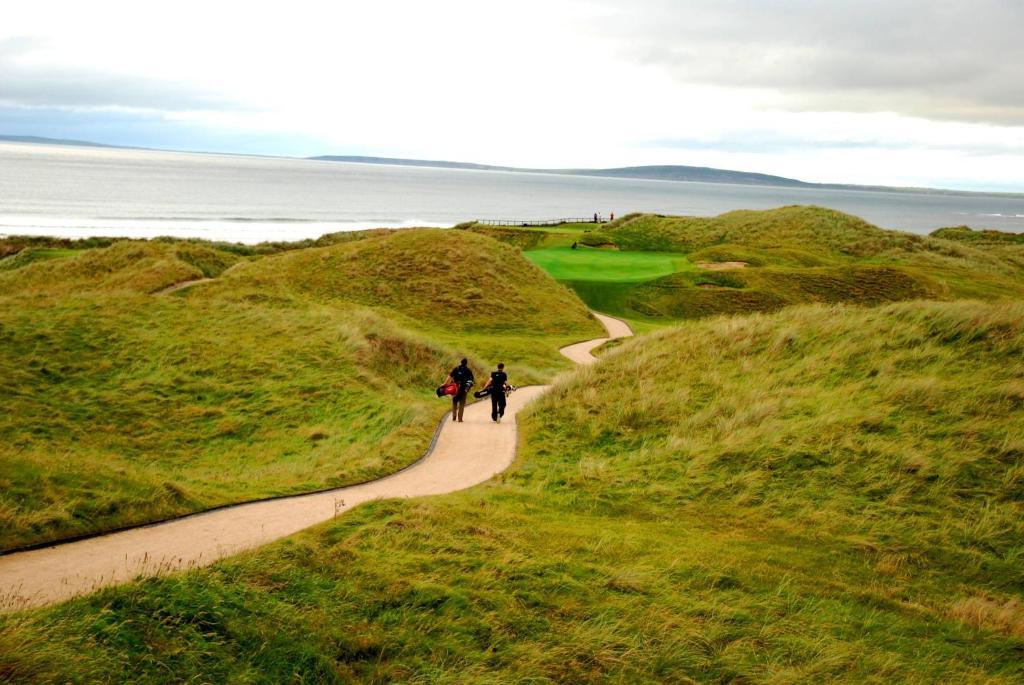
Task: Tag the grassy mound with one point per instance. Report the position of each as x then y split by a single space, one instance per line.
435 277
139 267
708 293
1010 246
531 237
12 245
969 235
822 494
31 255
129 409
790 255
814 230
304 370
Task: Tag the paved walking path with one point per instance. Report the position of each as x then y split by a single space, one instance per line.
581 352
463 455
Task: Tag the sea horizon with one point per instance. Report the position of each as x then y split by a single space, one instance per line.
81 191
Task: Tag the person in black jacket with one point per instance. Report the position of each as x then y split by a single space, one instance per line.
498 385
463 376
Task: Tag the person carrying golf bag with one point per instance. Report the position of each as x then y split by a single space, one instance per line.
498 385
463 376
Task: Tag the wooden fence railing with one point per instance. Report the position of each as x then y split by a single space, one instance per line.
542 222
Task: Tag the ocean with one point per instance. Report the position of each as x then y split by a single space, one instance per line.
72 191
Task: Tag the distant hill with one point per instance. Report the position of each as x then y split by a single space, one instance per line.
664 172
654 173
692 173
36 140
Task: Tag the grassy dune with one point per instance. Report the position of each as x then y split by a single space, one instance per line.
985 236
822 494
464 290
25 257
793 255
434 277
15 244
301 370
124 267
698 293
1010 246
531 238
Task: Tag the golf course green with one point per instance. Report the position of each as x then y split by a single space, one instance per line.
655 270
609 266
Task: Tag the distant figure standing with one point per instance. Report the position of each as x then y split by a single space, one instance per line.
463 376
595 217
611 217
498 384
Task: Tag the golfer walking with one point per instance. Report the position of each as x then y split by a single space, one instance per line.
462 375
498 385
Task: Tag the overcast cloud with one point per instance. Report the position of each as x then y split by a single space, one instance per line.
24 82
904 92
944 59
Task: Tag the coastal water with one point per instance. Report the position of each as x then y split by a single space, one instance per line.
83 191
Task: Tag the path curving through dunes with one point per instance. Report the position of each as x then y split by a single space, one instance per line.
581 352
462 455
181 286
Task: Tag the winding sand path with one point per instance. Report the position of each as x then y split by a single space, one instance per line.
581 352
461 456
181 286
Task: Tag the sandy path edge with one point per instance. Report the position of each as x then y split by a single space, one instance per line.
581 351
456 461
181 286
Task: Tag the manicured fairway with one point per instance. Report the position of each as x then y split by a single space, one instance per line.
589 264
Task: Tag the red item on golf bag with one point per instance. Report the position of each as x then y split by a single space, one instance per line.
449 389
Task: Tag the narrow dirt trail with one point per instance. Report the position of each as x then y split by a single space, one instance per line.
463 455
181 286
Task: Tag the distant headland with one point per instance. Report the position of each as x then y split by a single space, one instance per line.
662 172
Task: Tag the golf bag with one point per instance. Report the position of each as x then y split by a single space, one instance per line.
487 391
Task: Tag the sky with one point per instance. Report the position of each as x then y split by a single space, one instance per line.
900 92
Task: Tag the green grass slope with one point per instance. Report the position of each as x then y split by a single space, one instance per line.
793 255
697 294
143 267
465 290
434 277
824 494
15 244
35 254
567 264
531 237
970 235
303 370
816 229
1010 246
